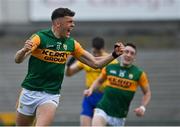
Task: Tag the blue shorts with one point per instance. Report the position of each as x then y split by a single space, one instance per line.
89 103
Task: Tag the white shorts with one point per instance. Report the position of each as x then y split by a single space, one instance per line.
112 121
30 100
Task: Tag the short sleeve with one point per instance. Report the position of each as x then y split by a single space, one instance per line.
103 73
143 81
78 50
36 41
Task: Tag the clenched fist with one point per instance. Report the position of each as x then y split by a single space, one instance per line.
118 49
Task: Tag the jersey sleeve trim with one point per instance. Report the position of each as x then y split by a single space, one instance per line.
143 81
36 41
78 50
103 73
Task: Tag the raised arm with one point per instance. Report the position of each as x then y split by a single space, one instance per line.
24 52
90 60
28 47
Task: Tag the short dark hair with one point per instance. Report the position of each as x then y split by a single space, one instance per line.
61 12
98 43
131 45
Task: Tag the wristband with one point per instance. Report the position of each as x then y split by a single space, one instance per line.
143 108
114 54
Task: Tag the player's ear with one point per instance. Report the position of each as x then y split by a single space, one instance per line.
56 22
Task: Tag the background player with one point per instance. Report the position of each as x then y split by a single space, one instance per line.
90 102
124 78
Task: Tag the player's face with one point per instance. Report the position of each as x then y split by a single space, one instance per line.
66 26
128 55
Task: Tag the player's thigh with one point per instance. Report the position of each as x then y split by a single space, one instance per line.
46 109
99 118
98 121
45 114
24 120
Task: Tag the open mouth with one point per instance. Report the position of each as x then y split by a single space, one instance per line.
127 59
68 32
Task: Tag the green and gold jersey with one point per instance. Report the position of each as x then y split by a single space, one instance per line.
118 94
93 74
47 61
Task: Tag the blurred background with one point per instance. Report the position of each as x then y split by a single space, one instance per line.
153 25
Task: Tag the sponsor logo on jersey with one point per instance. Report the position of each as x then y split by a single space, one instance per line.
113 72
122 83
50 46
51 55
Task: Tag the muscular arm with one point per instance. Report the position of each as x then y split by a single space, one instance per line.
29 46
91 61
147 95
24 52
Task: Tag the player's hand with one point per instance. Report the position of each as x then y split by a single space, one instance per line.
140 111
28 46
87 92
118 49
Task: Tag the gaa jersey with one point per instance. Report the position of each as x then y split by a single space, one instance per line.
122 85
93 74
47 61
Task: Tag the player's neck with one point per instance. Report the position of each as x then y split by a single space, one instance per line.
56 34
125 65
